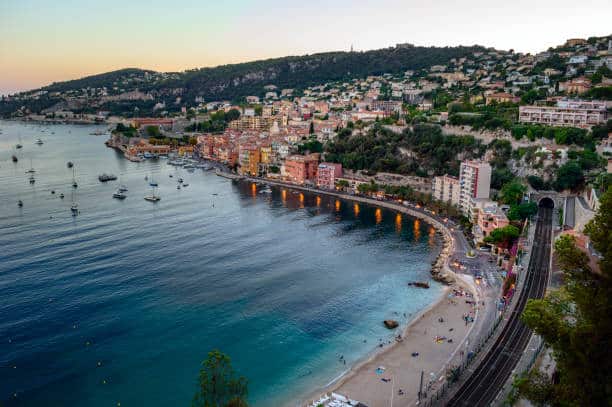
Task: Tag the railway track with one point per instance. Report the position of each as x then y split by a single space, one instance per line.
487 380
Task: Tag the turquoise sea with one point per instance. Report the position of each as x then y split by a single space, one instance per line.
121 303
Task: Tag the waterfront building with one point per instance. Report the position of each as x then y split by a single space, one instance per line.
249 158
327 174
301 169
143 146
446 188
474 183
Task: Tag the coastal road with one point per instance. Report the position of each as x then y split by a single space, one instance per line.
486 381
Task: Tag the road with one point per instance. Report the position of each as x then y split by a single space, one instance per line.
486 381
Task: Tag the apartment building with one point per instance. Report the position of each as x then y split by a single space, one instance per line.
301 168
327 174
474 183
577 113
446 188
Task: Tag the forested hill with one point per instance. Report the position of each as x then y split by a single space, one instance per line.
97 81
238 80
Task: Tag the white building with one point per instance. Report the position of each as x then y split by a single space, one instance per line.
572 113
474 183
446 189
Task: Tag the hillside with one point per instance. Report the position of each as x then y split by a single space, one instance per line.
238 80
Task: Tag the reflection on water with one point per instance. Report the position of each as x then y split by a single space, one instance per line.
398 223
337 205
432 236
356 209
417 230
378 215
318 200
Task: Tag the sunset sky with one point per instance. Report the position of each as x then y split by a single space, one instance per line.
46 41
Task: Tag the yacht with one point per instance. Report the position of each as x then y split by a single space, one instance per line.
122 188
20 203
119 195
61 196
178 186
74 183
185 184
69 164
74 208
180 180
32 180
153 197
107 177
39 142
14 158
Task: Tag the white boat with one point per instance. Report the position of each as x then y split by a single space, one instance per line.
119 195
74 208
122 188
39 142
32 180
153 197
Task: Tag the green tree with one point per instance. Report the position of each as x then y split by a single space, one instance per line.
522 211
576 320
569 176
152 131
218 385
502 236
512 192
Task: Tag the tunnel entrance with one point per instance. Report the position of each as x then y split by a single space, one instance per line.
546 203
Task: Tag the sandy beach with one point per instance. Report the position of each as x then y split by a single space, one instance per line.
391 377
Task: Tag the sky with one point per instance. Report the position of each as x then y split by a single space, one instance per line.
42 41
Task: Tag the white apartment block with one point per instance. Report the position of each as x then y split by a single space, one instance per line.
446 189
474 183
577 113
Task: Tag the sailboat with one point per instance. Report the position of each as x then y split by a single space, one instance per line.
153 197
122 187
74 208
31 170
74 183
152 182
